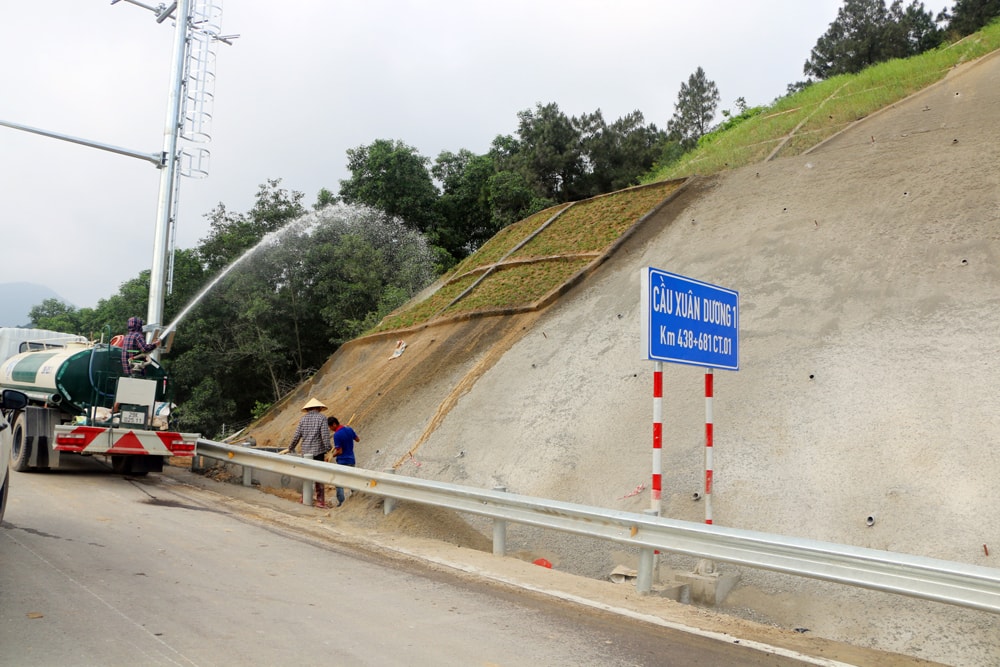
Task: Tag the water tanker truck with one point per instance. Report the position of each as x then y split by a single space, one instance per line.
81 402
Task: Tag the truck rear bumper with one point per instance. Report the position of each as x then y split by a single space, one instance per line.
123 441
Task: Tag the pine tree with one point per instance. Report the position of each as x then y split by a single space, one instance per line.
694 110
968 16
866 32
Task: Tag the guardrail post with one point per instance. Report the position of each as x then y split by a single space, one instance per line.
307 492
389 504
644 581
656 552
499 531
247 476
647 564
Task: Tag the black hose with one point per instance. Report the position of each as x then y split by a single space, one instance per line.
90 371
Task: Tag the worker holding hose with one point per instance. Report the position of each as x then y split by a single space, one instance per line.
134 345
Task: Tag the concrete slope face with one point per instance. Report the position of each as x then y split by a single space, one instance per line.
865 409
869 281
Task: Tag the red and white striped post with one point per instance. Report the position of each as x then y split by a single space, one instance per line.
709 394
657 436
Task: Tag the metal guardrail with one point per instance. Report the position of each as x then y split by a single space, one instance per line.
954 583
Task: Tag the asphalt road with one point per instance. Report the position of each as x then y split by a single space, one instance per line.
96 569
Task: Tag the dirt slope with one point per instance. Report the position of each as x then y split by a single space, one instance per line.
869 280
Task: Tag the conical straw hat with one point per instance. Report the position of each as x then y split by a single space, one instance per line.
313 403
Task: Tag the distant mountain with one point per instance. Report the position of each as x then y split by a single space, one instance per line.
17 300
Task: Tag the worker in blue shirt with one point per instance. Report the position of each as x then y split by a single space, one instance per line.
344 438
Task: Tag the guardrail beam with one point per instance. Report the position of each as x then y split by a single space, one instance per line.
954 583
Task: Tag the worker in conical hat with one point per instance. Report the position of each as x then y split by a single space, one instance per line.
315 436
313 404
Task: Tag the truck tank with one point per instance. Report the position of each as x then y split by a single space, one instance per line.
73 378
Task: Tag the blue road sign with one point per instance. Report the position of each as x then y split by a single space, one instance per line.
686 321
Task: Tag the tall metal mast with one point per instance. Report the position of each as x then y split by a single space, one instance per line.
165 201
188 115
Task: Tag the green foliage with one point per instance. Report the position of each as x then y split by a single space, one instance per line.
911 30
968 16
730 123
557 158
528 260
392 177
231 235
694 109
511 198
866 32
553 158
271 322
189 277
466 217
108 318
54 315
325 198
794 123
549 150
259 410
205 408
616 155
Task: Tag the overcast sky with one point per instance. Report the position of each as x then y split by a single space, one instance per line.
309 79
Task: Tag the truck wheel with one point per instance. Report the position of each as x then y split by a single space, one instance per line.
20 448
119 465
122 465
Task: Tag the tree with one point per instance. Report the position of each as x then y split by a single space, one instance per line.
206 408
513 190
512 198
325 198
131 300
866 32
464 206
549 150
968 16
393 178
852 41
54 315
188 277
232 235
276 318
694 110
557 158
105 320
617 155
911 30
797 86
378 264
